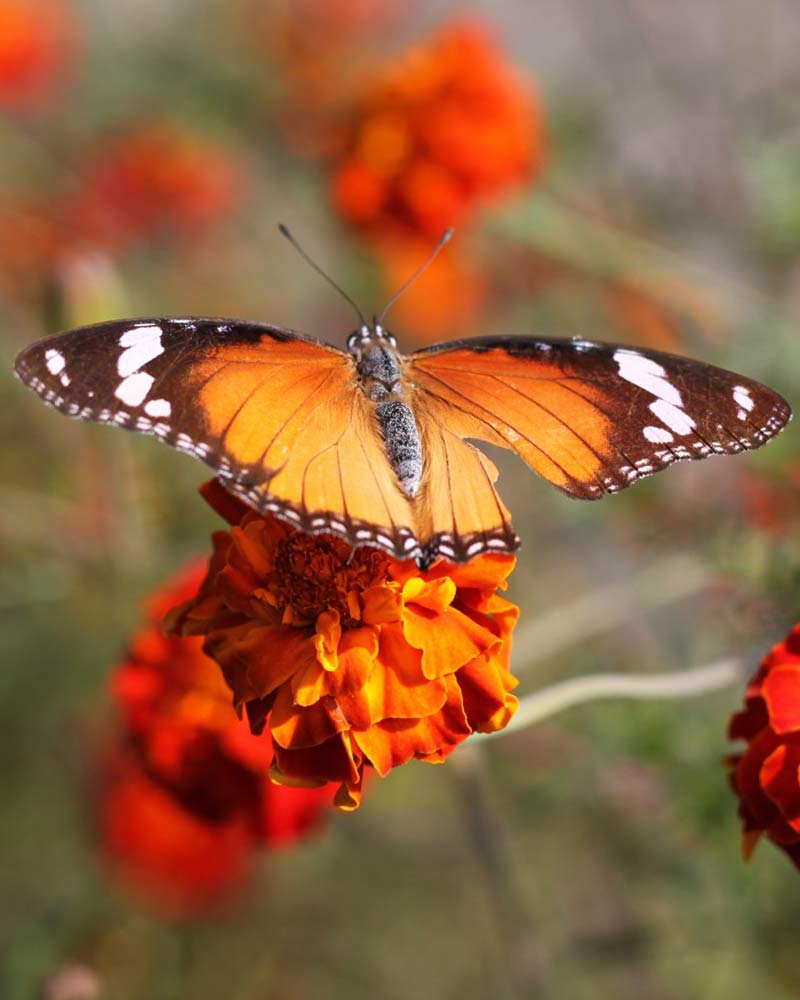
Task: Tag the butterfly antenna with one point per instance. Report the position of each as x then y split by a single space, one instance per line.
445 238
285 232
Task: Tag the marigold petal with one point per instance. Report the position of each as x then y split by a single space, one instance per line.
229 507
781 692
433 595
447 640
337 759
326 640
779 779
299 727
354 657
485 688
395 741
257 659
381 604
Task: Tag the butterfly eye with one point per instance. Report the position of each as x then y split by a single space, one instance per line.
382 334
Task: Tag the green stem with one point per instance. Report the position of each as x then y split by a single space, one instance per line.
577 690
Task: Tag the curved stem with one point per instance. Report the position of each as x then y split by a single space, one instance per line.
577 690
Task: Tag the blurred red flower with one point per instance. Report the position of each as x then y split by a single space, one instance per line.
156 180
186 799
448 126
38 47
351 659
766 776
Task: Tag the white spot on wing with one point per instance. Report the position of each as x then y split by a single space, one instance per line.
658 435
55 361
158 408
133 389
673 417
142 343
647 374
742 397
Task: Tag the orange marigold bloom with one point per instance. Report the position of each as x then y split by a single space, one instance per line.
156 180
450 125
766 777
186 801
351 658
38 42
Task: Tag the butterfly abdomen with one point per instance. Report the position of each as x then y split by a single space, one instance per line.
381 374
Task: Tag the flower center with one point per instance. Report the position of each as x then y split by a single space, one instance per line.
313 574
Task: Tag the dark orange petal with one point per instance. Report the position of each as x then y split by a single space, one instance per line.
354 661
380 605
257 659
229 507
485 688
337 759
300 728
394 742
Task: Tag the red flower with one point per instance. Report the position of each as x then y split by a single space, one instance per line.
186 799
156 180
766 777
38 43
450 125
352 659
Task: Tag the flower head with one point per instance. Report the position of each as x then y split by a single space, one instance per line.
186 799
156 180
349 657
766 776
38 42
450 125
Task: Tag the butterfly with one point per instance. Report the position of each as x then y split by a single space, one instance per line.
375 446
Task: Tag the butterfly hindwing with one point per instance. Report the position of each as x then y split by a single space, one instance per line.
593 418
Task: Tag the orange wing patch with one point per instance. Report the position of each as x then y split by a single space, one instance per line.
336 476
555 424
460 512
254 403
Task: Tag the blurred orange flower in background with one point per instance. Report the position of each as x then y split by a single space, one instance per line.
766 776
450 125
445 300
156 180
38 49
185 796
322 50
351 658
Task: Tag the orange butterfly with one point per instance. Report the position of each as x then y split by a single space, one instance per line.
371 445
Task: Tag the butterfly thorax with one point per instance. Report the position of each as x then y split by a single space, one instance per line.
380 369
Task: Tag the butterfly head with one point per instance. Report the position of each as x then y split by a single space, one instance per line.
366 336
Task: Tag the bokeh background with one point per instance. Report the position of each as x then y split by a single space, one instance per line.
619 169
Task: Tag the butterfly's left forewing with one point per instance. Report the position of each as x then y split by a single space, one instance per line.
279 417
593 418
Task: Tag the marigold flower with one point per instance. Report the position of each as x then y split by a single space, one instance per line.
154 181
449 126
38 43
351 658
766 776
186 800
